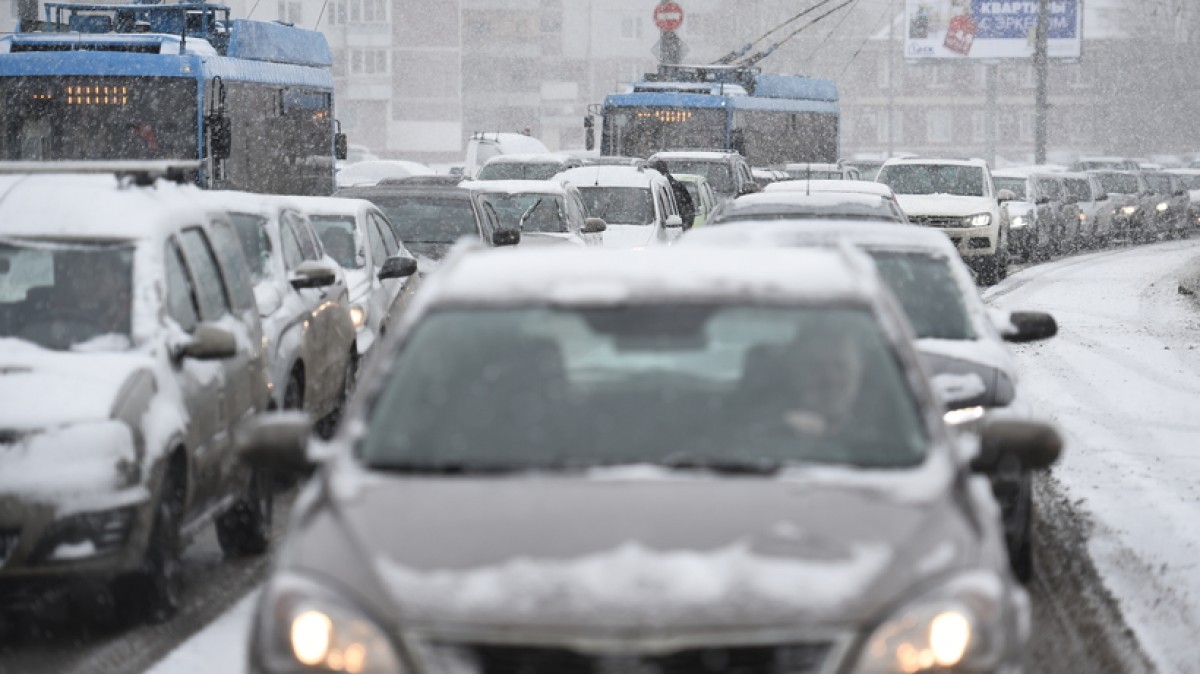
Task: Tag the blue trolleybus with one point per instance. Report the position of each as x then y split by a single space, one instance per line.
250 101
769 119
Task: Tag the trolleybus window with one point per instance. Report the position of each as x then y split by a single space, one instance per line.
641 132
50 118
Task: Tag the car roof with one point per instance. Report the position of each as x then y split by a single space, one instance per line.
332 205
827 186
368 191
693 154
609 176
804 232
812 166
516 187
100 206
907 161
532 158
248 202
763 201
613 276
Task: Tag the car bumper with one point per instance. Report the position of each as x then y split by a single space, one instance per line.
974 241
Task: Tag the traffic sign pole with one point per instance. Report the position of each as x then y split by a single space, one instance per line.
668 16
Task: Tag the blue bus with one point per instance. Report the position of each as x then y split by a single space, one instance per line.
251 101
769 119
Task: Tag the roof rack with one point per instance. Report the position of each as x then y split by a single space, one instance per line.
141 173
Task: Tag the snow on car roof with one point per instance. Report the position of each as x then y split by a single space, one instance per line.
516 187
532 158
612 276
762 201
905 161
245 202
822 232
331 205
609 176
95 206
839 186
693 154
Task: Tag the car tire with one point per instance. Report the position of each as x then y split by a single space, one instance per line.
328 425
245 529
1020 541
154 592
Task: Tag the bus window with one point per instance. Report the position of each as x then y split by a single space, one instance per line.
640 132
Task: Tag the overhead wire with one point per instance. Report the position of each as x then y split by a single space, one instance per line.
817 50
771 50
886 15
738 53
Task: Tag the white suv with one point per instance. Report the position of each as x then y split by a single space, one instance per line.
958 197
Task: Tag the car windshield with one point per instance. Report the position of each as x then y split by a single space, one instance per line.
822 208
718 173
1159 184
511 170
1190 182
620 205
931 297
65 295
963 181
1119 183
686 385
337 234
529 212
428 219
1015 185
256 245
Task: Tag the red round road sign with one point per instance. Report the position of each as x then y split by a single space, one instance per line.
668 16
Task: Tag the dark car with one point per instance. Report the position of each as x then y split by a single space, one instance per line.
637 461
1128 193
429 219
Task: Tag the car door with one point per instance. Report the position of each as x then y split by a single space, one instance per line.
315 339
383 244
193 298
577 217
665 205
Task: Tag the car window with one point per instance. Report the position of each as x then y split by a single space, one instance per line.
529 211
233 265
339 238
1159 184
256 245
1015 185
929 293
390 243
421 218
210 287
182 304
638 384
576 213
292 256
1119 183
378 250
1050 188
1078 189
619 205
310 247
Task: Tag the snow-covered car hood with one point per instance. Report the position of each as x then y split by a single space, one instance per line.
45 389
943 204
550 239
628 236
623 555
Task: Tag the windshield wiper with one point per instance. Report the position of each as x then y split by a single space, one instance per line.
686 461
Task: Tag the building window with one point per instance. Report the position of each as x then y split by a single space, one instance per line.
631 28
937 126
368 61
359 11
979 126
291 11
1026 127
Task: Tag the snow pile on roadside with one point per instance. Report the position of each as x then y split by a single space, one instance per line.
220 647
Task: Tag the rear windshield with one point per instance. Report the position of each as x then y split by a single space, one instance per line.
422 218
1159 184
520 171
529 212
1016 185
621 205
1078 189
1119 183
718 174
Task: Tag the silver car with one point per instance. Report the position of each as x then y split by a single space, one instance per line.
130 350
645 461
304 302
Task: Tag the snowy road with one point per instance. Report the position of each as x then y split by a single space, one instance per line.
1123 379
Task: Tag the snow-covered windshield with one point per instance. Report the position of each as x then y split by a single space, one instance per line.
337 234
65 295
527 387
1015 185
620 205
964 181
926 288
512 170
256 245
428 219
529 212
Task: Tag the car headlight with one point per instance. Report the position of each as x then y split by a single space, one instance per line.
304 624
978 220
358 314
1082 216
1128 210
964 416
1162 207
1020 221
961 625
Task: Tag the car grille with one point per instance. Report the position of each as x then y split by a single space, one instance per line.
935 220
9 538
804 658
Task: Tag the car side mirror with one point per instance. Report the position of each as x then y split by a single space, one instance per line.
1006 195
749 188
506 237
312 274
1029 326
397 266
1035 444
594 226
275 441
208 342
674 222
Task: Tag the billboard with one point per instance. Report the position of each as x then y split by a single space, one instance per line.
988 29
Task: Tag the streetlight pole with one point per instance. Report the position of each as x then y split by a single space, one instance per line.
1041 63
